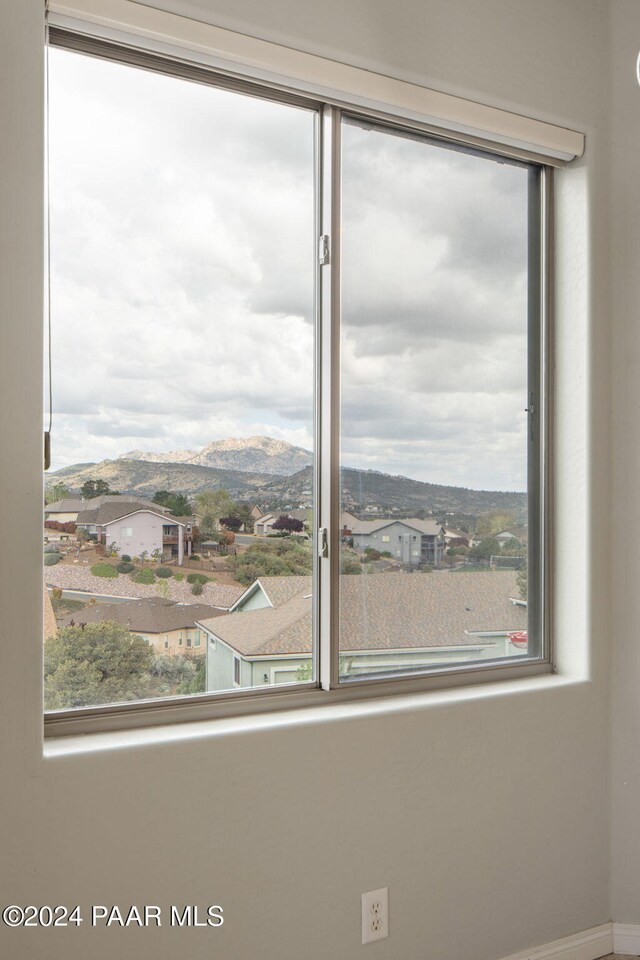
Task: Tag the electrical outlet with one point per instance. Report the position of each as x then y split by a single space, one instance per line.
375 915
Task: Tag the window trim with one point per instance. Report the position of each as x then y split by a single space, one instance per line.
335 83
330 688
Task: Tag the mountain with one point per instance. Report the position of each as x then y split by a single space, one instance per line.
173 456
248 455
360 489
144 478
369 488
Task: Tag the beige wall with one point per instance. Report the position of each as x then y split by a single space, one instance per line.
625 285
486 814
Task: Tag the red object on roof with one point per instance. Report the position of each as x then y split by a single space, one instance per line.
518 638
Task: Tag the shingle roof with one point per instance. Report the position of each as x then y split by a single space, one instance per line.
382 611
281 589
151 615
70 505
109 512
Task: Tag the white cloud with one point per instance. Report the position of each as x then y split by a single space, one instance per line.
183 250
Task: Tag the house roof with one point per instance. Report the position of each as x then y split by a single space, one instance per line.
69 505
276 589
110 512
381 611
367 527
150 615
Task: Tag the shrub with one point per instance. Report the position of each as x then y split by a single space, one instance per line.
196 556
197 589
51 558
104 570
179 577
125 567
144 576
56 593
197 578
164 572
125 558
52 548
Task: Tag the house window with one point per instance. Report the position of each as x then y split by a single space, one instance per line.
398 273
441 330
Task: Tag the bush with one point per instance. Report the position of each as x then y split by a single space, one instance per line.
179 577
52 548
197 589
197 578
125 558
125 567
164 572
104 570
144 576
56 593
51 558
196 556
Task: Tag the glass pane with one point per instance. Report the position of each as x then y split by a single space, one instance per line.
433 396
183 257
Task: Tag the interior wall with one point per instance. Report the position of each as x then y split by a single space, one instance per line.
485 812
625 206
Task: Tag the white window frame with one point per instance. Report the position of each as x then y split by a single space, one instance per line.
155 40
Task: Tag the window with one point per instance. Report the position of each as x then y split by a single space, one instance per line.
272 313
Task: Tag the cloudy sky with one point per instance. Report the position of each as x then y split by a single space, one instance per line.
182 282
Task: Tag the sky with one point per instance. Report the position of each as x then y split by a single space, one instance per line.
183 247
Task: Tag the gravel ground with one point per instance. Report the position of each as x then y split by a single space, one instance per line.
80 578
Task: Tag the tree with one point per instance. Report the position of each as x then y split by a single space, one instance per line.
489 547
494 522
231 523
95 488
289 524
177 503
97 663
213 504
57 491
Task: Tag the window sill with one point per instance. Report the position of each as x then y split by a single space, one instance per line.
191 731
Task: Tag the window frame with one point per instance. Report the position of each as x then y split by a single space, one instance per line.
329 687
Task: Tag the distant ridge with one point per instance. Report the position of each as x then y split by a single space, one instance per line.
362 490
247 455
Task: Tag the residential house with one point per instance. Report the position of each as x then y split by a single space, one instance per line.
263 526
64 511
67 510
136 529
169 626
408 540
266 639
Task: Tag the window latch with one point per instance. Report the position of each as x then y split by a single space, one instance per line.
323 543
323 250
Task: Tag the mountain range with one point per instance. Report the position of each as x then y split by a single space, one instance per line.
248 455
239 473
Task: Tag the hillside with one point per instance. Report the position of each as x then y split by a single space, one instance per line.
362 488
144 478
247 455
